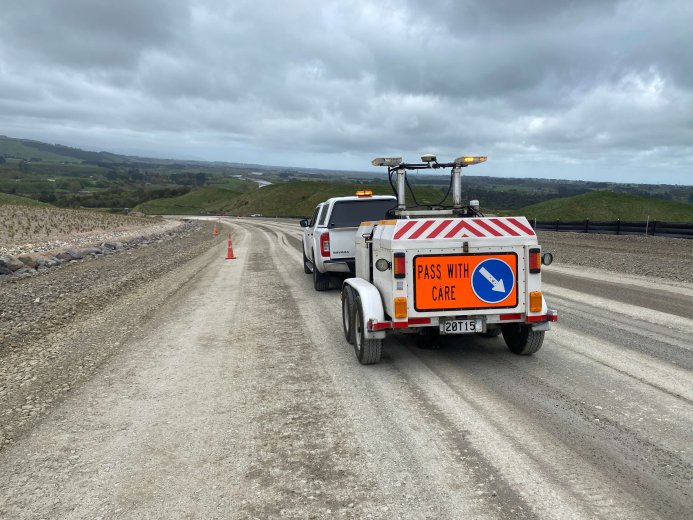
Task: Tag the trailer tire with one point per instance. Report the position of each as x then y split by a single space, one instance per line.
347 313
522 340
306 269
368 350
321 281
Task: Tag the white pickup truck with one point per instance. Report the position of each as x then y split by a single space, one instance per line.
329 235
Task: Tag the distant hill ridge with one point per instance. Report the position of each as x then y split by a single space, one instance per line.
71 177
300 198
67 151
294 198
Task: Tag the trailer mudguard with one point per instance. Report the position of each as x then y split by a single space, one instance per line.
371 303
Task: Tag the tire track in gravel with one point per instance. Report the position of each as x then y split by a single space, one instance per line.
306 463
602 452
411 444
238 397
627 464
660 300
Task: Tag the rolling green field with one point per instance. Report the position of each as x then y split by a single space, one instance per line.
210 200
294 198
70 177
299 198
607 206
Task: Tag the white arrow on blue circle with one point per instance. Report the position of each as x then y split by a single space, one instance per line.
497 284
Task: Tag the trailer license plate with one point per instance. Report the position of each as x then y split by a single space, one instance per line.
461 326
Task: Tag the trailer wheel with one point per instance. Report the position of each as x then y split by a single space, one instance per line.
368 351
522 340
306 269
321 281
347 313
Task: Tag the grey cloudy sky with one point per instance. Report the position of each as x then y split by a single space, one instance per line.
588 89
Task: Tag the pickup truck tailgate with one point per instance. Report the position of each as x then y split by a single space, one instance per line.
342 243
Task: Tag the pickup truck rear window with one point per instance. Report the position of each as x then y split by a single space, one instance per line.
352 213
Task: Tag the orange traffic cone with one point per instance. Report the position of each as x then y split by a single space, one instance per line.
215 230
229 253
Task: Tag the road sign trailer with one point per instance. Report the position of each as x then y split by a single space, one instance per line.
445 271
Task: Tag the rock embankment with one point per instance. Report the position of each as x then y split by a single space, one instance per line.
21 261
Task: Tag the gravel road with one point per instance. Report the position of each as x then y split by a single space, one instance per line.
171 383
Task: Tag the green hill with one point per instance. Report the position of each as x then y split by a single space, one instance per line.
6 198
293 198
210 200
606 205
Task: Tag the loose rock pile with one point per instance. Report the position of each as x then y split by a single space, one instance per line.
31 263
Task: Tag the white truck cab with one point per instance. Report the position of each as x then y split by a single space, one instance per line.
328 236
448 270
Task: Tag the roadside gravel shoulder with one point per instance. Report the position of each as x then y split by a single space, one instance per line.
656 257
56 329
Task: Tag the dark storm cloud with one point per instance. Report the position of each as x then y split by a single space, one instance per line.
89 34
543 82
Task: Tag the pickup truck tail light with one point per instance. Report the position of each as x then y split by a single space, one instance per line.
400 265
325 244
535 261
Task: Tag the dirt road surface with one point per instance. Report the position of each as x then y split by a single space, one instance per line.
238 397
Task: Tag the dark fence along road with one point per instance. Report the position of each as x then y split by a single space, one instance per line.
618 227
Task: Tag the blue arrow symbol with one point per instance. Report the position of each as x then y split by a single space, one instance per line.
498 285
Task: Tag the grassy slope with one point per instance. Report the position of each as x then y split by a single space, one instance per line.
300 198
203 201
6 198
606 205
284 199
293 198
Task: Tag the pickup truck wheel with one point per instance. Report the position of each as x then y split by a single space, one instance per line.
522 340
347 312
306 269
368 351
321 281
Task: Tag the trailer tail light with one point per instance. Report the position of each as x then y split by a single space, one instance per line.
535 301
400 265
325 244
400 308
535 260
